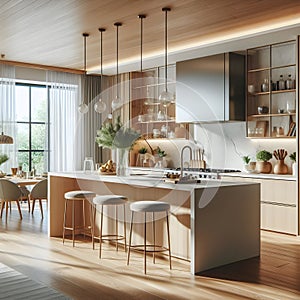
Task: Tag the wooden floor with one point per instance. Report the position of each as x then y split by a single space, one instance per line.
79 273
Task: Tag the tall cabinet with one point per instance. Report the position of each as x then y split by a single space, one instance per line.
271 96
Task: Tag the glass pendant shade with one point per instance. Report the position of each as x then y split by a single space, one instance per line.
116 103
166 98
83 108
100 106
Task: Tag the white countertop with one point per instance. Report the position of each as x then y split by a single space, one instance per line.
260 176
149 180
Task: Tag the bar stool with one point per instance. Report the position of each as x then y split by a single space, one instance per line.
150 207
77 196
104 200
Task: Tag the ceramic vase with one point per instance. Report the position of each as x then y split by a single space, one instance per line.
294 169
280 167
263 167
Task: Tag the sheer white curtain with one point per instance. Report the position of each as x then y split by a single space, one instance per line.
66 125
7 114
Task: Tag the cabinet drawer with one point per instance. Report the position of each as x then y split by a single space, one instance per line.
279 191
279 218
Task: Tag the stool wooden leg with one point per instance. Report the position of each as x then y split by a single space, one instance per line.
73 223
6 211
125 246
153 224
93 220
145 238
100 231
83 213
33 205
117 244
169 244
64 226
2 207
130 235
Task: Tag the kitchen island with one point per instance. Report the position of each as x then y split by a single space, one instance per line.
212 223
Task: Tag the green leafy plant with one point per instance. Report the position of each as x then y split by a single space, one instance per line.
116 135
263 155
292 156
143 150
246 159
3 158
160 153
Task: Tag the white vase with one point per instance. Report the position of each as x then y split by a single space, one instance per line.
122 162
295 169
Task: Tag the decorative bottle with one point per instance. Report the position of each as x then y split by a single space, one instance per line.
281 83
289 83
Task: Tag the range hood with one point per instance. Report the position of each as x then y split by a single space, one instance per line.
211 89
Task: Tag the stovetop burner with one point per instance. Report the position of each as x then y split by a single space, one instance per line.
210 170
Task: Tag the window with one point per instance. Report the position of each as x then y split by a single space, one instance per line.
32 126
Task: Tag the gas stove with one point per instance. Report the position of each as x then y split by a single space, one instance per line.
199 173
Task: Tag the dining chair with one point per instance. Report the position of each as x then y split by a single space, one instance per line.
9 192
39 192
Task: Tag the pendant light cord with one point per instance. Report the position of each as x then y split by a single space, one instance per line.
166 9
85 35
101 56
141 18
117 25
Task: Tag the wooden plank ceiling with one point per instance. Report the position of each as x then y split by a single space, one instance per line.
49 32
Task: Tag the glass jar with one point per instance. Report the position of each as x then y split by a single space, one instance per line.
88 165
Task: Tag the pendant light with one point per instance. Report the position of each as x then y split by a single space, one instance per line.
83 108
166 98
100 106
116 103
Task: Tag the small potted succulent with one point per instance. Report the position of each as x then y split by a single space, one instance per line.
161 163
141 156
249 165
263 165
293 158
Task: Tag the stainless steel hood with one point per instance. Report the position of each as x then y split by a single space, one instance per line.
211 89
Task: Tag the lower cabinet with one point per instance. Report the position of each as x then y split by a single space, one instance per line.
279 204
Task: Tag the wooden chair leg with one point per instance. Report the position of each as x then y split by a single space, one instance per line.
19 209
153 226
33 204
28 201
2 207
41 207
6 210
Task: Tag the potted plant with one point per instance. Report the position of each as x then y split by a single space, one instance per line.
162 163
293 158
263 165
249 165
141 156
116 136
3 159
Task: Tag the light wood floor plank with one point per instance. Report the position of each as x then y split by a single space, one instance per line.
80 274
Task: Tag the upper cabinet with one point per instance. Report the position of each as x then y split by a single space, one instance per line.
211 89
149 116
271 95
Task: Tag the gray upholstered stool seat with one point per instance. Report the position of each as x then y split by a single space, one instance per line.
73 196
109 200
149 207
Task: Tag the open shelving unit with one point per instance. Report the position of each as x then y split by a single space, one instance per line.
268 70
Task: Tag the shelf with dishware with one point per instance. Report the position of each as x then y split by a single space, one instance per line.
151 117
271 97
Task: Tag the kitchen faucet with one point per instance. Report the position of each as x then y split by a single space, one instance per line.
181 158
